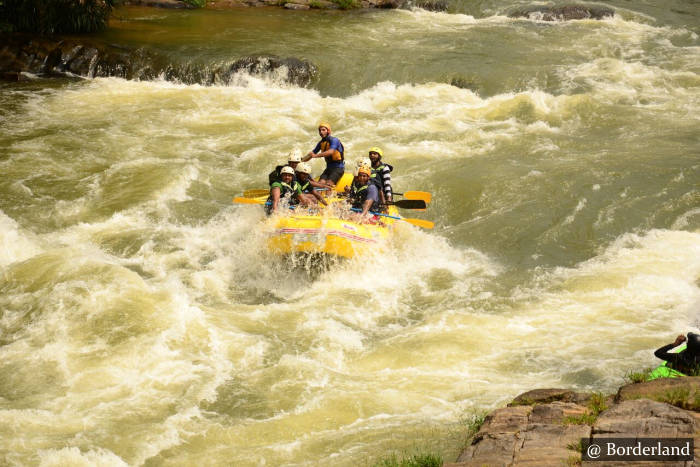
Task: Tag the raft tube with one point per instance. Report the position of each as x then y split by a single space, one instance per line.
328 235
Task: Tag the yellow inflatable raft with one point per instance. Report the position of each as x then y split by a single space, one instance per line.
326 233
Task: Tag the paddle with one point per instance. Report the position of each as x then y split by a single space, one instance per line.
240 200
256 193
419 222
409 204
424 195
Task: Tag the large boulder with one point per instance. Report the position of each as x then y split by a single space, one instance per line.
680 392
49 57
563 13
548 427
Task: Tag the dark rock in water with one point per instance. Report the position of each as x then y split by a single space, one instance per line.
465 83
174 4
299 72
48 57
563 13
430 5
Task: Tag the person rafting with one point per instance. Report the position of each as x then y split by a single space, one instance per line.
363 194
381 173
308 184
287 188
292 161
331 149
686 362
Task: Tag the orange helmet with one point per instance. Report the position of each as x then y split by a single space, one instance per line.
364 170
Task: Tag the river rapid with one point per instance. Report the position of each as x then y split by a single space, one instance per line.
142 321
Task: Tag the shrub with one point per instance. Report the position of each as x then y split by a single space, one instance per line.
417 460
345 4
55 16
596 405
638 376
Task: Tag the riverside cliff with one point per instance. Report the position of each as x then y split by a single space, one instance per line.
544 427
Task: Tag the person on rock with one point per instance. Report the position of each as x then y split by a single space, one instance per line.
331 149
686 361
292 161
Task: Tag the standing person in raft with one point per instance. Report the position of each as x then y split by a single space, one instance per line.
686 361
331 149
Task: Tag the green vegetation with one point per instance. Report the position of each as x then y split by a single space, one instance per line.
196 3
596 405
417 460
572 461
638 376
473 423
681 398
577 446
54 16
345 4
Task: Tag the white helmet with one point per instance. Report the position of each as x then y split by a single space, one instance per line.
294 156
304 168
287 170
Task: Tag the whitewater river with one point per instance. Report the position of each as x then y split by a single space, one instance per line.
142 321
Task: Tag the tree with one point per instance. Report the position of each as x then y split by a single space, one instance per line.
55 16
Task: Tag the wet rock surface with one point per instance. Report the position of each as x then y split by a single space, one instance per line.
563 13
57 57
544 427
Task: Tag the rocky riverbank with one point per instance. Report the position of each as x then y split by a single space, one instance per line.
535 12
23 56
544 427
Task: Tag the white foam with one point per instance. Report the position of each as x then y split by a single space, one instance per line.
16 244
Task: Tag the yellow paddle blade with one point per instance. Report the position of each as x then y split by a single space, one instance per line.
256 193
241 200
424 195
419 222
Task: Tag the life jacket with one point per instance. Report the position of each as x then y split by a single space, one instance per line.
306 188
338 157
286 191
378 173
358 195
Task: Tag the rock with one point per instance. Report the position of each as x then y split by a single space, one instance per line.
563 13
645 419
545 396
548 444
506 420
555 412
680 392
431 5
173 4
49 57
299 72
533 435
296 6
544 427
325 5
